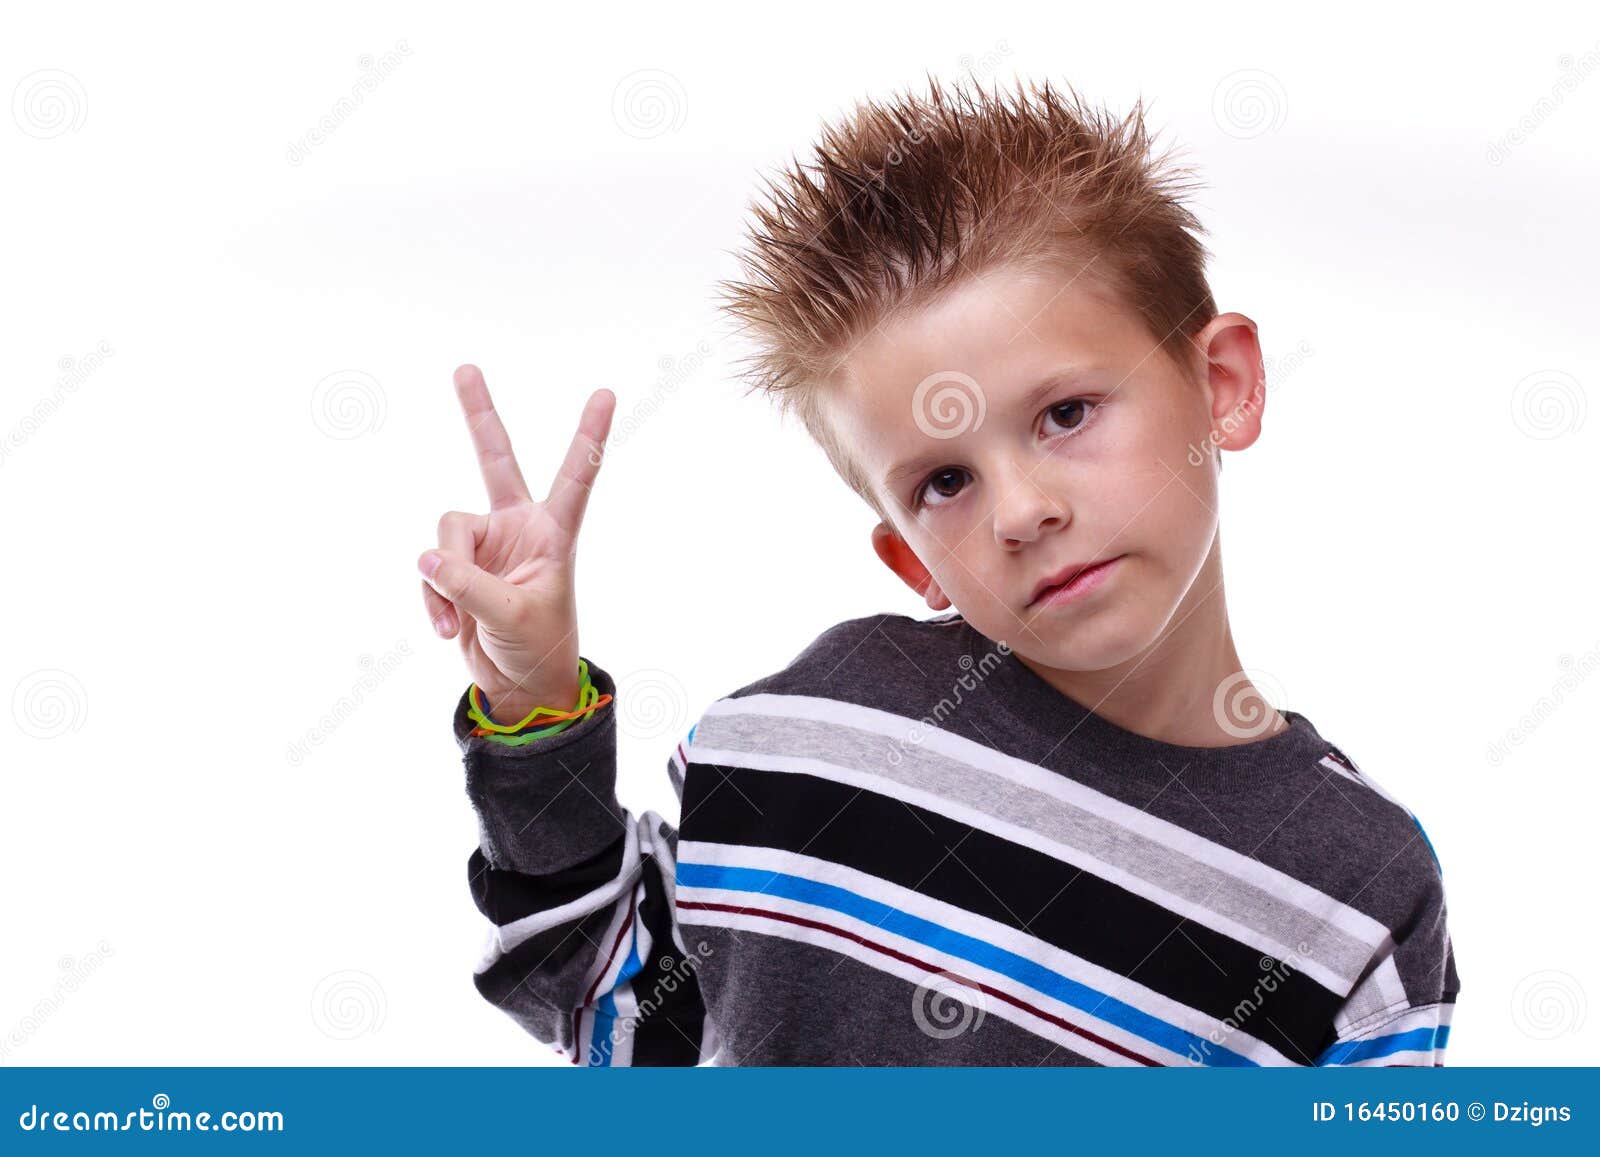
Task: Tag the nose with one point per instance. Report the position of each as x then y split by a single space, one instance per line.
1025 510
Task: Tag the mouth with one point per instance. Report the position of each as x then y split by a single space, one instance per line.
1072 582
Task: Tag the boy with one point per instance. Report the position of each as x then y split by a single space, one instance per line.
1054 824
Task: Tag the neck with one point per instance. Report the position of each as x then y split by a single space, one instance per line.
1170 691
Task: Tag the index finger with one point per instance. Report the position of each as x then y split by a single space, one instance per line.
495 459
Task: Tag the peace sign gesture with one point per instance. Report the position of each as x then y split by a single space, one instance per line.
503 581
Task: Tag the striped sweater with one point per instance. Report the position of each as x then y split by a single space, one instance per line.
907 848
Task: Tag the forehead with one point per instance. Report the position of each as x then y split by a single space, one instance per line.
989 337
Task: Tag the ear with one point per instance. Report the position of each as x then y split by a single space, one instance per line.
898 557
1235 378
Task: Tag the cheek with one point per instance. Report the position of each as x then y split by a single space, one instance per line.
1150 503
960 561
1181 523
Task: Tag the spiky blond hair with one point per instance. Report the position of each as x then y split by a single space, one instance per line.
907 196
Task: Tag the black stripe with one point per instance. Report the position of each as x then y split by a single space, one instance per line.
668 1031
504 896
534 982
1012 885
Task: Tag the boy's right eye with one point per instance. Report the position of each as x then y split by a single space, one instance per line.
941 486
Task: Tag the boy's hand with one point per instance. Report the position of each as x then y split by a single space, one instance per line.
503 580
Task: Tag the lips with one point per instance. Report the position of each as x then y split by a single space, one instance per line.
1065 576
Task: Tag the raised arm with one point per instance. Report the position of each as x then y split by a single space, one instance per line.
584 952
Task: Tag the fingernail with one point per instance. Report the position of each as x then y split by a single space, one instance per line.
442 623
428 564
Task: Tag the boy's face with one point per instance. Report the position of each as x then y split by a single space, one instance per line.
1020 426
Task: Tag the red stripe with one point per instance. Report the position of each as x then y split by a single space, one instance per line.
577 1013
898 955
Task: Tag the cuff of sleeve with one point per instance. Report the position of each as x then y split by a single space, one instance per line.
551 803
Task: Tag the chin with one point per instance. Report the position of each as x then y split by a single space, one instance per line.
1098 645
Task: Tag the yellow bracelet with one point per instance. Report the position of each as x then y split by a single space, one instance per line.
480 717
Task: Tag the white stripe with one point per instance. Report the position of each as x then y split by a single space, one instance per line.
1339 769
710 1042
1363 779
606 971
1424 1016
666 867
1431 1016
1380 992
622 1047
967 923
505 937
1408 1057
1018 771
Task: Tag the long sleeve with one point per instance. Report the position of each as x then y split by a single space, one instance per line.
584 951
1400 1011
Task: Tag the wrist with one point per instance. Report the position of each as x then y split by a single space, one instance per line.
510 705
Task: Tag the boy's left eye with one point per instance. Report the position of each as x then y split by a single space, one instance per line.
1072 413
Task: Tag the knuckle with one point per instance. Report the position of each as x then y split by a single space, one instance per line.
457 582
576 480
449 519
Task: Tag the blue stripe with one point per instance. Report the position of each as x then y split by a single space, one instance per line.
606 1013
1019 968
1415 1040
1429 842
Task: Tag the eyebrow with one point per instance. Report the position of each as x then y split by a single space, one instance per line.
1061 379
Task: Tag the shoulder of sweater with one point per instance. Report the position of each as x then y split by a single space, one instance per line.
858 651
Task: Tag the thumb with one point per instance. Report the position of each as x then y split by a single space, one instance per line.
488 599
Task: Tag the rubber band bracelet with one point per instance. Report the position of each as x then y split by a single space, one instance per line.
593 701
539 733
479 714
589 700
532 736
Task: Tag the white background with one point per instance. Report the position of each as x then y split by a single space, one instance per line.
212 541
